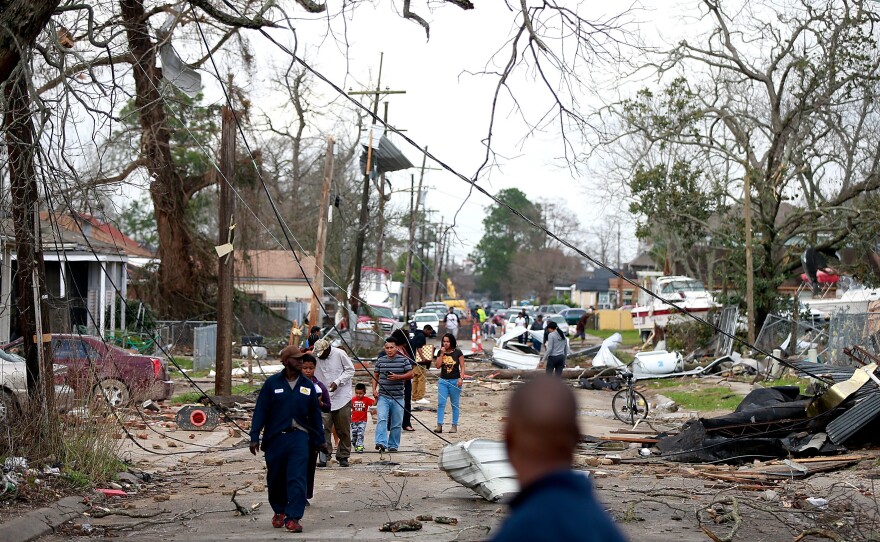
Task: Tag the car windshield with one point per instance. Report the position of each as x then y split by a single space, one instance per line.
372 310
557 318
690 285
575 312
425 318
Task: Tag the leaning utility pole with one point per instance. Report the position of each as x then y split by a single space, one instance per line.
321 241
226 263
30 276
364 218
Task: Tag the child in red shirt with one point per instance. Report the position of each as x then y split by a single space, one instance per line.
360 404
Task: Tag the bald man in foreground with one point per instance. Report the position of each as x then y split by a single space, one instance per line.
554 502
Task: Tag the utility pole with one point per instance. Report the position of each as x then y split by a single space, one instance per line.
321 241
380 241
750 276
364 218
30 276
407 275
438 256
226 262
619 270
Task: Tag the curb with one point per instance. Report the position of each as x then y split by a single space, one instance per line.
43 521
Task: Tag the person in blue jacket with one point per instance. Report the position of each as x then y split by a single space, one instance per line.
554 502
289 416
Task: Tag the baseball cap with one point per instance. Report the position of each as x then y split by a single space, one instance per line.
321 346
292 351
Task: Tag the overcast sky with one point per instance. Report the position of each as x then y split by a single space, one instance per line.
448 109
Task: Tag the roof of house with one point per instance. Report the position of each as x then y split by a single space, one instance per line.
273 265
97 230
598 280
643 260
56 238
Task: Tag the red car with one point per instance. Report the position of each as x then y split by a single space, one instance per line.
95 366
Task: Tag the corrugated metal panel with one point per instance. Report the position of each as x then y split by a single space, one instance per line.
482 466
850 422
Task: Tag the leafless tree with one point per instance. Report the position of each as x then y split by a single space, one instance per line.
784 95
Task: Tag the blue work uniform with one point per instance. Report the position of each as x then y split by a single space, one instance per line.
559 506
290 419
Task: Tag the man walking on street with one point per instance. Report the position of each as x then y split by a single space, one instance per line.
288 415
336 370
389 374
452 323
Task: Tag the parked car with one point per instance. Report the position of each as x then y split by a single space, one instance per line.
495 306
383 315
13 386
572 315
550 309
427 318
559 319
95 366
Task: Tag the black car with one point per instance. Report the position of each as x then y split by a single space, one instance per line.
572 315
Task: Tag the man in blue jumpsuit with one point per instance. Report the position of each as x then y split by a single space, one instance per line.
289 416
554 502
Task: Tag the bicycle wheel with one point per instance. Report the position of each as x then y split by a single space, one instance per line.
629 408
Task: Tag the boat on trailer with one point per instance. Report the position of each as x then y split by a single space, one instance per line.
685 293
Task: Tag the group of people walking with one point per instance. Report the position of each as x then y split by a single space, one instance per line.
300 409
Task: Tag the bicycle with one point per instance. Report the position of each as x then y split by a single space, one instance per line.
629 405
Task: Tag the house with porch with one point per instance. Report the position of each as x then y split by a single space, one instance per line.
85 275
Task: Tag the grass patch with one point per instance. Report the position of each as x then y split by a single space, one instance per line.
192 397
187 398
788 381
630 336
707 399
183 363
662 383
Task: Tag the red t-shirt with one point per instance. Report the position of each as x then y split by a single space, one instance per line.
359 408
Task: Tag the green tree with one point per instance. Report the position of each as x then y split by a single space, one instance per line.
504 235
672 208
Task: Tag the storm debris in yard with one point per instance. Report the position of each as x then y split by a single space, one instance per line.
446 520
401 525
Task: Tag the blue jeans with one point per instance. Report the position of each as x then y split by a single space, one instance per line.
448 387
389 409
287 467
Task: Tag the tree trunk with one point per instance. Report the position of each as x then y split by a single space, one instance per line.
180 271
21 21
33 318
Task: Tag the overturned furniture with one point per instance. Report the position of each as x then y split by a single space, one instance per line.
481 465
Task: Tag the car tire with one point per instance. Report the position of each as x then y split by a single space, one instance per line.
111 391
8 406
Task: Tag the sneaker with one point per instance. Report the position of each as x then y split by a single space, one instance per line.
278 521
293 526
422 402
380 447
438 429
321 464
454 429
359 449
343 462
392 450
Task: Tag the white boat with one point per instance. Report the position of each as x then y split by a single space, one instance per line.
509 353
686 293
853 301
482 466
